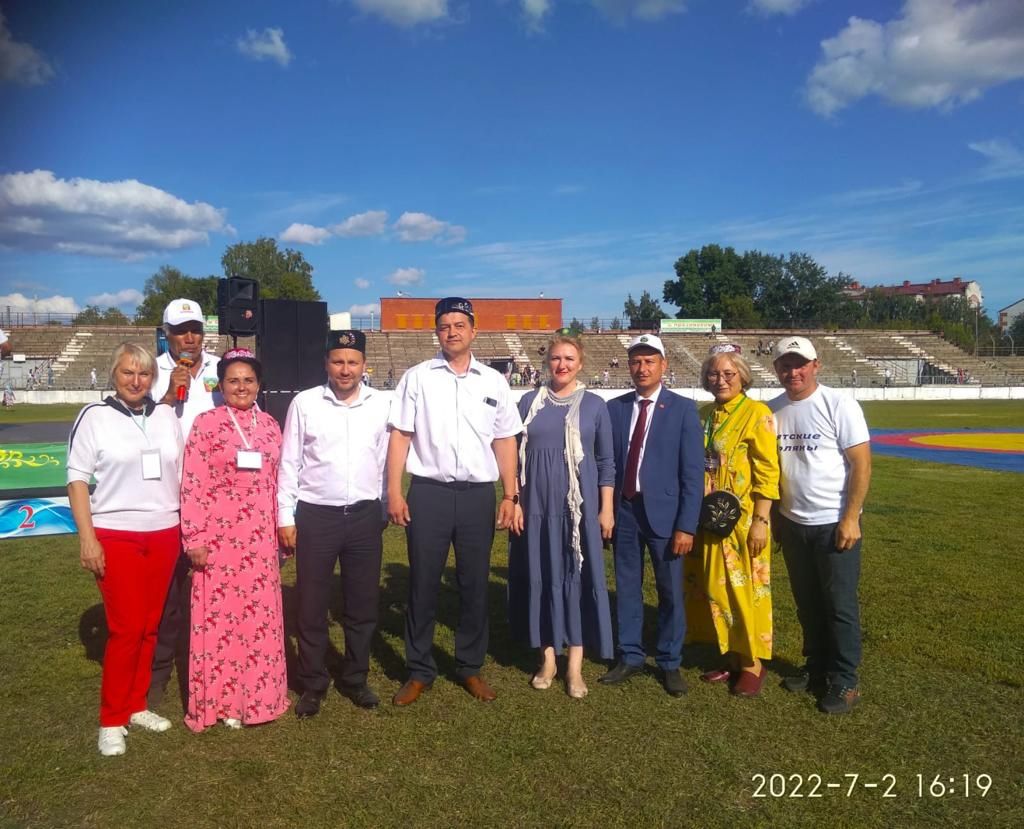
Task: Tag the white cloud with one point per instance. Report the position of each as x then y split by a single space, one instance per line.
266 45
21 63
534 12
119 219
301 234
1005 160
365 310
621 10
422 227
370 223
939 53
124 297
778 6
362 284
407 276
55 304
404 13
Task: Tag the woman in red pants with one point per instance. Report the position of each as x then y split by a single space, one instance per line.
128 531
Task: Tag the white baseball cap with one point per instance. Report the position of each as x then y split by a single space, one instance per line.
648 340
180 311
795 345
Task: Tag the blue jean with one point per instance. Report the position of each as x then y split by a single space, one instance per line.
824 582
632 534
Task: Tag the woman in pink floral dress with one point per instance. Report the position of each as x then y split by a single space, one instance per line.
229 530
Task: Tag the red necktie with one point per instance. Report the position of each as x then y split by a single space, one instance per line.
633 459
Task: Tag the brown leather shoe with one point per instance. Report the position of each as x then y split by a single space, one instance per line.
410 692
479 688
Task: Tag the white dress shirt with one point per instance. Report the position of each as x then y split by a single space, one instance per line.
333 453
454 419
647 426
202 394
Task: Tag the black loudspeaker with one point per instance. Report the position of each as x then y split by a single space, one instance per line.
290 345
237 306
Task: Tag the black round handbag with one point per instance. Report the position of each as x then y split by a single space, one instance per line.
719 512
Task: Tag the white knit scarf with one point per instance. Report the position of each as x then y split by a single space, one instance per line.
573 456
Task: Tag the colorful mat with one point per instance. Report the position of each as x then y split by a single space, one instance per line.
1001 450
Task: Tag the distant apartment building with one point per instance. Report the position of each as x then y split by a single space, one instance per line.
923 291
1008 314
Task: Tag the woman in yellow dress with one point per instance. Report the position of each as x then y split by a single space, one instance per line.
728 580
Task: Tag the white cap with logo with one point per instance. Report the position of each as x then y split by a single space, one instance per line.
795 345
180 311
648 340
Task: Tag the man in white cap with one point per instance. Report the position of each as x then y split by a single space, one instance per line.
186 379
659 485
825 455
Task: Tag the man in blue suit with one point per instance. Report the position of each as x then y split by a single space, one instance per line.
659 485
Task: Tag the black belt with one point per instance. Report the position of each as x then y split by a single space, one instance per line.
458 486
348 509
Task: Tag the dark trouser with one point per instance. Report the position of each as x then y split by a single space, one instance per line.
632 534
824 582
172 638
445 515
353 537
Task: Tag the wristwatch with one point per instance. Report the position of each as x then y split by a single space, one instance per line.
513 498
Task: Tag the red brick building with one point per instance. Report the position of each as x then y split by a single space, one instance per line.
417 314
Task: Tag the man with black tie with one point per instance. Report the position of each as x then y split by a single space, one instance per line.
659 470
330 484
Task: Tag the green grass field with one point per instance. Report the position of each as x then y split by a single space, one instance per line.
943 610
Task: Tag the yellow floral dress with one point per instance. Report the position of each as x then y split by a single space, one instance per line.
728 594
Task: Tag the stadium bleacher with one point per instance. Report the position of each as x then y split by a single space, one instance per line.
909 354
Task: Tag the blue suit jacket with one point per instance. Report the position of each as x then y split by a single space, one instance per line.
672 470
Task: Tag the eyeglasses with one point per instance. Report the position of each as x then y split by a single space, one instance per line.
728 376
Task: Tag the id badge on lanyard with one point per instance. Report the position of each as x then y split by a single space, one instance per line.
249 459
246 458
151 464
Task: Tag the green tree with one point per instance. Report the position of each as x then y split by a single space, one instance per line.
575 326
1016 332
89 315
703 279
615 324
647 309
281 274
170 283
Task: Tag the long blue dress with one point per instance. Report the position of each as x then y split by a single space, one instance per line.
551 602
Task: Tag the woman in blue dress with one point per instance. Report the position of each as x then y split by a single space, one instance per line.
558 595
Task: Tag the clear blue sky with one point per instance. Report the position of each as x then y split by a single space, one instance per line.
508 147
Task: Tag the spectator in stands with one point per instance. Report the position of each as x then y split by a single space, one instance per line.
605 376
727 576
229 531
187 381
825 458
853 377
49 376
127 531
92 377
556 589
5 343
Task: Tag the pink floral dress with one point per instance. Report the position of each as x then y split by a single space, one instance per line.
236 658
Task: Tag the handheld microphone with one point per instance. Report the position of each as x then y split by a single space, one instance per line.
184 359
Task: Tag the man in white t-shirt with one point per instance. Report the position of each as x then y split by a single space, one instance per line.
825 455
186 380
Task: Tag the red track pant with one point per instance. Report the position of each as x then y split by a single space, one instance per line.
138 573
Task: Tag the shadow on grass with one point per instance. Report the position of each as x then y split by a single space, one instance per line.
92 633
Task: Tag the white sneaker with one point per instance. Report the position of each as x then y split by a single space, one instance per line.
150 721
231 722
111 741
